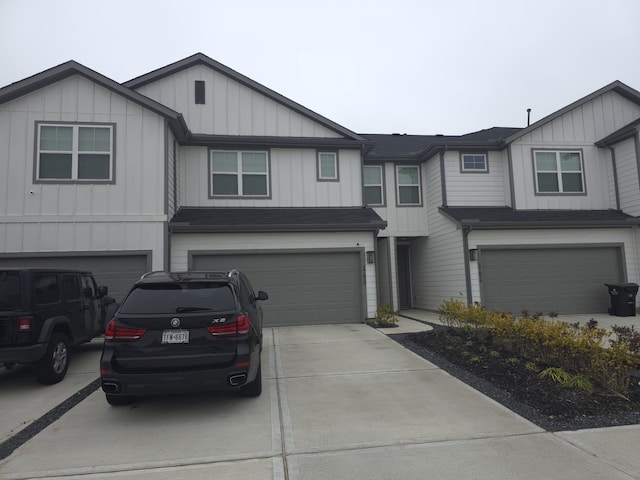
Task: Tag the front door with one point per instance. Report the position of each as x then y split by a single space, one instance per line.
404 277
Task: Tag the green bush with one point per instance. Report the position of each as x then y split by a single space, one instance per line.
586 353
385 317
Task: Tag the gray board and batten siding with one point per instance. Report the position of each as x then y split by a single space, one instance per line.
305 288
560 280
118 272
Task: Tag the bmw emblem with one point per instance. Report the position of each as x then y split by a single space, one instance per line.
175 322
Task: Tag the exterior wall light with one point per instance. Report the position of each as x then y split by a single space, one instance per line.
371 256
473 254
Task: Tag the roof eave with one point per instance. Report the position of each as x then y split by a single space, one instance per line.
180 227
479 225
284 142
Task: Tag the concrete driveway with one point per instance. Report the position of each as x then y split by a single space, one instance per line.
339 402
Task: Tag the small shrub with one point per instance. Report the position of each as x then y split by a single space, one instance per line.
513 361
385 317
588 352
531 366
556 374
579 382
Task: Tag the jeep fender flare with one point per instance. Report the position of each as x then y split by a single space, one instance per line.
60 323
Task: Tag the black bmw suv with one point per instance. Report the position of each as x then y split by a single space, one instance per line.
183 332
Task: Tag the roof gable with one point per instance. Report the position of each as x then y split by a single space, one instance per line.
616 87
70 68
201 59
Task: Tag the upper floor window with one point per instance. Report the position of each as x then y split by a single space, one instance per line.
373 191
558 171
408 180
474 162
327 166
80 153
239 173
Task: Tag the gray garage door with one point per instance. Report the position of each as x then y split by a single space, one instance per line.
118 272
303 288
562 280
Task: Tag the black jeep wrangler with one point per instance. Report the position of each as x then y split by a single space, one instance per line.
44 312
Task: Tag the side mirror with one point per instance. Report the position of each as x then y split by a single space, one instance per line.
102 291
262 295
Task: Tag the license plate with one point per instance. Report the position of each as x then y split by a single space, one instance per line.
175 336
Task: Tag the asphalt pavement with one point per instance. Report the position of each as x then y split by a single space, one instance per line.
339 402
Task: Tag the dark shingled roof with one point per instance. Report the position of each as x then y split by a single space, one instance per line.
505 217
419 147
228 220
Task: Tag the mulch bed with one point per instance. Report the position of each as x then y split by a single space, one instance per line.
507 380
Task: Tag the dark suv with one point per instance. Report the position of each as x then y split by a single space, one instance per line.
44 312
183 332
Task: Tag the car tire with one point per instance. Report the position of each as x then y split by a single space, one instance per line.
53 365
253 389
119 400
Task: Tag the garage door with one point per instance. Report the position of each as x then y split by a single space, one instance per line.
118 272
303 288
562 280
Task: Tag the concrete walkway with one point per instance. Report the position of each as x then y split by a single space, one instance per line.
339 402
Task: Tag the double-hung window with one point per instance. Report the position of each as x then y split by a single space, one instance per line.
558 171
373 189
408 184
239 173
74 152
474 162
327 166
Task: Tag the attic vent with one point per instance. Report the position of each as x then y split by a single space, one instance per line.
199 92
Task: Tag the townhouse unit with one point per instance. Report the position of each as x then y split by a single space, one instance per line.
197 167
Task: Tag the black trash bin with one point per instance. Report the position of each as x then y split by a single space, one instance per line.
623 299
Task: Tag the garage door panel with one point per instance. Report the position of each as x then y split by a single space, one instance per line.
304 288
562 280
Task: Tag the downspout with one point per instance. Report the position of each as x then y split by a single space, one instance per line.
443 178
466 230
175 202
615 176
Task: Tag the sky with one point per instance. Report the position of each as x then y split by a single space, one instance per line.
402 66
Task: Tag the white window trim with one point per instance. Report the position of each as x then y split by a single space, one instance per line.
333 178
239 174
398 185
380 185
559 172
75 152
474 170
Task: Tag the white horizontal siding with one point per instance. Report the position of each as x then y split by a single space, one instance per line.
293 176
139 154
53 236
182 244
437 262
628 237
402 220
230 108
488 189
577 129
628 182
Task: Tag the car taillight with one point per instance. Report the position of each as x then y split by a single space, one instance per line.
24 324
116 333
241 327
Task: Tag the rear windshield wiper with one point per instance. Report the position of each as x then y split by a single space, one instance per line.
191 309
